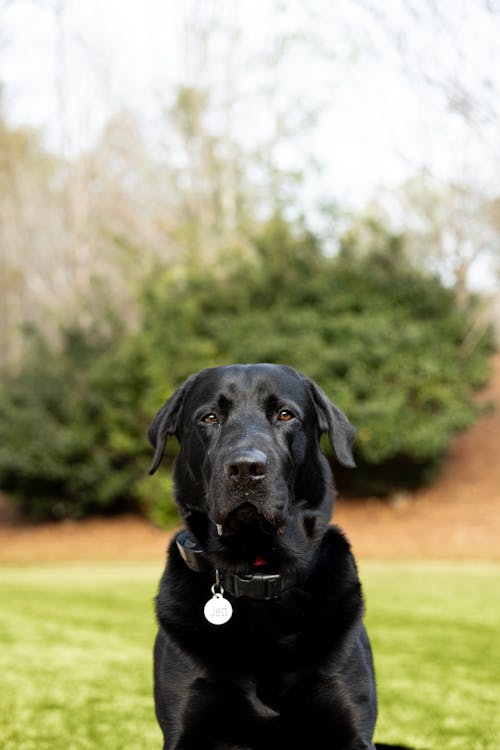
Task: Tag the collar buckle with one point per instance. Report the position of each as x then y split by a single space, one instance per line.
257 586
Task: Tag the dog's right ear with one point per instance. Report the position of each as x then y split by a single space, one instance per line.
166 422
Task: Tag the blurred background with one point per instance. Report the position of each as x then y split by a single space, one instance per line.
188 184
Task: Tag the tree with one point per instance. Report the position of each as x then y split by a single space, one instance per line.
450 229
27 198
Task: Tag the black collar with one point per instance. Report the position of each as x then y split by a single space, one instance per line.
260 586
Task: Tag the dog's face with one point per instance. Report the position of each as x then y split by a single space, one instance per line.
251 482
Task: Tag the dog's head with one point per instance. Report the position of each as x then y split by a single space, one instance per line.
251 481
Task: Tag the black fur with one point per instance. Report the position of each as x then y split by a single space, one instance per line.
293 673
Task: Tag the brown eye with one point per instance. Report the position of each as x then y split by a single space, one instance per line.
285 415
210 419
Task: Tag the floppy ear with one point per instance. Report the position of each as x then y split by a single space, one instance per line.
166 422
335 423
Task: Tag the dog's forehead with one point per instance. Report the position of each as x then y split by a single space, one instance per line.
249 381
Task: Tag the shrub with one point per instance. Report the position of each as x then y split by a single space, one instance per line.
383 339
69 443
156 498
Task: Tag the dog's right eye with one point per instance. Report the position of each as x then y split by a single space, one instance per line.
286 415
210 418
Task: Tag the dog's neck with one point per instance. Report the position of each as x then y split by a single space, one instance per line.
260 586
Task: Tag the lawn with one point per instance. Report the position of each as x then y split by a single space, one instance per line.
75 655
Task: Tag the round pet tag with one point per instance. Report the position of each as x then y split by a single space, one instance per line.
218 610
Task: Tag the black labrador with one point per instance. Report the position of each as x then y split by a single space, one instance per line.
261 644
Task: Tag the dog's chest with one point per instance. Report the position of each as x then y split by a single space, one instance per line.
260 641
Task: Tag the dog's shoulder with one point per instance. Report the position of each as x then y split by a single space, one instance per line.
335 552
335 572
336 542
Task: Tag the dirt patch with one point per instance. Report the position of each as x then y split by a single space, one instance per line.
458 517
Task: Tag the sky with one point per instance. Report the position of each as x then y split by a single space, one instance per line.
391 88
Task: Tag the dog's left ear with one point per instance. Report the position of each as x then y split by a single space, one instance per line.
335 423
166 422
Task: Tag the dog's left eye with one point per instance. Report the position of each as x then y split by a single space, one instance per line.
286 415
210 418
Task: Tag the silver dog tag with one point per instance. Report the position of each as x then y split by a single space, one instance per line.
218 610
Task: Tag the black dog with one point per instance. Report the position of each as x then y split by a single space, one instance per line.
261 644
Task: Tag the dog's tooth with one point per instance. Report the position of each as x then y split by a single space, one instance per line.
219 528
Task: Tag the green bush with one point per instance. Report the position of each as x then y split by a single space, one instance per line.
383 339
70 442
156 498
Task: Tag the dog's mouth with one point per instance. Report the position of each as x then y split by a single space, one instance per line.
249 519
249 538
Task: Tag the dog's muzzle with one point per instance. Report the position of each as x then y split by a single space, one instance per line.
244 494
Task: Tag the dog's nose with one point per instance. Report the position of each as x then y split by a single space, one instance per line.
248 464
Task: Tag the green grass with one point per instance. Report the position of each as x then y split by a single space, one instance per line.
435 635
76 640
75 658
